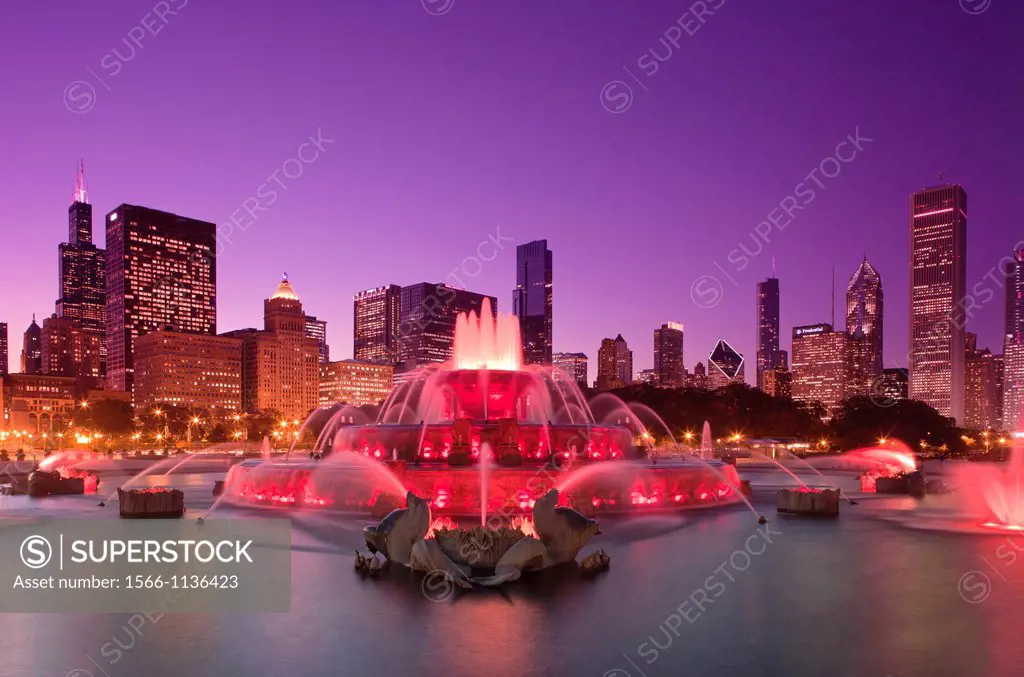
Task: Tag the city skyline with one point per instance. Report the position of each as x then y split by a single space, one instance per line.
307 228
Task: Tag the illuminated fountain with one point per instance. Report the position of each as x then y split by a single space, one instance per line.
994 494
483 434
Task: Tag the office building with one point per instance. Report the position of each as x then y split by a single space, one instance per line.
822 366
426 330
864 305
280 363
892 385
531 300
82 293
317 330
3 348
614 364
355 383
68 350
32 349
573 364
1014 321
725 366
196 371
161 275
669 369
36 404
983 408
769 355
777 382
938 269
377 314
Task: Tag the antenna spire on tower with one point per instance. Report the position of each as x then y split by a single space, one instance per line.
81 194
833 297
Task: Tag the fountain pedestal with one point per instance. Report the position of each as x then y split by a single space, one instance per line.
823 502
152 503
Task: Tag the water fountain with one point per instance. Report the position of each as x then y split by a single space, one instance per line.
483 434
994 494
706 450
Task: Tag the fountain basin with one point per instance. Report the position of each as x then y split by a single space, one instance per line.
601 487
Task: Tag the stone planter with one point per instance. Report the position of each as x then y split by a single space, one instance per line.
218 487
823 502
891 485
151 503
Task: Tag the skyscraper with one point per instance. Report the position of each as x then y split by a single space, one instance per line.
32 349
983 377
426 330
82 293
669 368
1015 297
531 300
725 366
317 330
938 270
377 314
280 363
864 320
67 350
769 355
614 364
573 364
161 275
3 349
822 366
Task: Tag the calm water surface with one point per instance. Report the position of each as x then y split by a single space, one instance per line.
853 597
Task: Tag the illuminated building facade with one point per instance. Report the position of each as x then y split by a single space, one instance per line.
669 369
161 275
355 383
573 364
32 349
821 367
280 364
614 364
699 378
82 293
938 270
375 324
426 330
3 348
983 378
1015 297
67 350
1013 385
532 300
777 382
864 304
725 366
317 330
197 371
769 355
37 404
892 385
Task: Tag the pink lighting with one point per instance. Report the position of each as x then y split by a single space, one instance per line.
485 343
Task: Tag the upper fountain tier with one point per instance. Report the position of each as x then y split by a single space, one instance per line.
485 343
486 380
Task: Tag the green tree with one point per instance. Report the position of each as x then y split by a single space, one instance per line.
860 422
111 417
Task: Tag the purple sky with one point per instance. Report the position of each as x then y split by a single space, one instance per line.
447 127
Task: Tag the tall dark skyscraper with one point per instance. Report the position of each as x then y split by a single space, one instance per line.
32 349
426 330
1014 326
3 348
377 313
81 293
938 274
864 322
669 368
531 300
769 355
161 275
